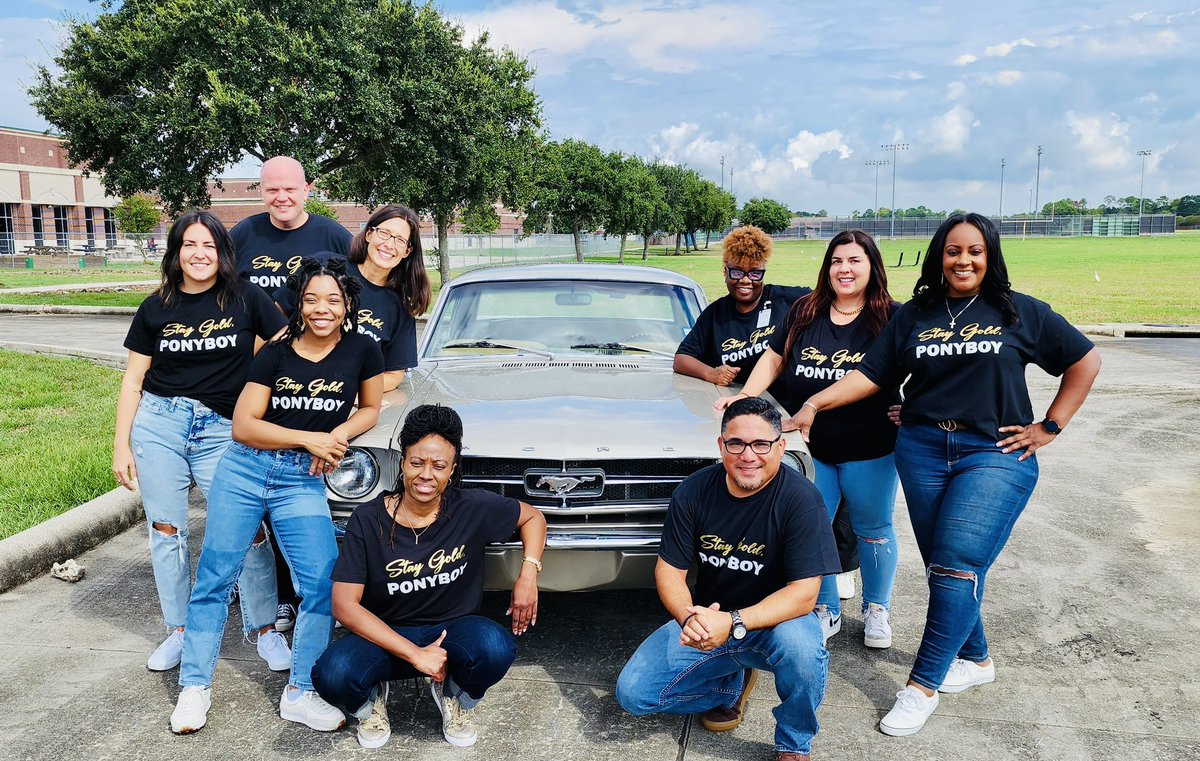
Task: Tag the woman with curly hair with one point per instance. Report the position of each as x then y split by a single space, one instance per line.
826 335
292 424
965 450
733 331
190 345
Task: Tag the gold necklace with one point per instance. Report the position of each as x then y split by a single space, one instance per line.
412 518
851 313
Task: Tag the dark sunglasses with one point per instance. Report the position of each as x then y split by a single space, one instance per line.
737 274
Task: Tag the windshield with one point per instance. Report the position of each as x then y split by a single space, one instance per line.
562 316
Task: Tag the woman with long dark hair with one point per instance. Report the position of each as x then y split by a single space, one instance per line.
306 395
826 335
190 345
409 582
965 450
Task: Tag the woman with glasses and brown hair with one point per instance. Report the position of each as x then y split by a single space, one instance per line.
386 257
825 336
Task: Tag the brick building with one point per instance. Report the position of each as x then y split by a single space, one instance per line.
44 202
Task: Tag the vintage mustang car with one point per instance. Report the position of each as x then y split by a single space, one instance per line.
562 376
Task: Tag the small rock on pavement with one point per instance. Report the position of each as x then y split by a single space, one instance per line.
68 570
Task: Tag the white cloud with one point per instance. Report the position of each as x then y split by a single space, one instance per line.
1004 48
1006 78
656 38
910 76
1102 140
950 132
956 90
1150 97
805 148
964 59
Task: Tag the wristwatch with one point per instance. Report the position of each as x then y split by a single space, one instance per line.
536 563
1051 427
739 629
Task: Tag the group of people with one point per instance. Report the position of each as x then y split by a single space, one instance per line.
261 354
931 394
264 351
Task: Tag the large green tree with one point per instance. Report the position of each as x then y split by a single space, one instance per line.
766 214
137 216
572 190
675 181
635 200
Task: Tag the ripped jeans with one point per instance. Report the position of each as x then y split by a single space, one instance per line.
964 496
177 440
868 487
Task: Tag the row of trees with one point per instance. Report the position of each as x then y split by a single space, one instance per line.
382 99
1183 206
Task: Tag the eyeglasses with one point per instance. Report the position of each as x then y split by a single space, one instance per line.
762 446
737 274
387 237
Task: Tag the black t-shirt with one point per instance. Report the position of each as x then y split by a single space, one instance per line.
974 374
724 336
821 356
267 255
315 396
411 582
199 350
381 315
748 547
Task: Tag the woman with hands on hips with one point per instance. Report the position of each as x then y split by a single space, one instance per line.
409 583
292 424
826 335
966 450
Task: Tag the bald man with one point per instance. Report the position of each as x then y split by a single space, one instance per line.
269 245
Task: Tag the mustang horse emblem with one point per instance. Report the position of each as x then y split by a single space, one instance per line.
560 485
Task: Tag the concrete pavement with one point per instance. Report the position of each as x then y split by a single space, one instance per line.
1091 614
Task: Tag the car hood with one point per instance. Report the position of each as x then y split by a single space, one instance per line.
518 407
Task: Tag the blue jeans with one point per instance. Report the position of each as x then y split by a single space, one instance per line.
868 487
250 484
964 496
176 441
664 676
479 652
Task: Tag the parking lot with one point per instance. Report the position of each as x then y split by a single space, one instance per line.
1091 613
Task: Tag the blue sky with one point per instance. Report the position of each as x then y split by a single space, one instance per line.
797 97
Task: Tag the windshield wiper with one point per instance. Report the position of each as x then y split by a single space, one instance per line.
616 346
489 344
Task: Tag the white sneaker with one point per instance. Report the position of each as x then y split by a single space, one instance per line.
830 624
457 727
273 648
191 710
166 656
375 729
965 674
845 585
311 710
910 713
877 629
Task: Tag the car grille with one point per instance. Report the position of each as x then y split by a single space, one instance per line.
636 492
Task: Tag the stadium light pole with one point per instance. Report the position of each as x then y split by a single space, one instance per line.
1002 163
1037 182
893 147
1142 187
722 173
877 163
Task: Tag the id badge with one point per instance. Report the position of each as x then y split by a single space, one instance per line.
764 316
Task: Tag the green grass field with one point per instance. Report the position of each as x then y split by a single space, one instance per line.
130 298
110 273
56 430
1147 280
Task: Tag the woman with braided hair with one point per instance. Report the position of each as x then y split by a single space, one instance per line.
292 424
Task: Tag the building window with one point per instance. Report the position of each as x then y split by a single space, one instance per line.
89 224
110 229
62 226
8 245
39 237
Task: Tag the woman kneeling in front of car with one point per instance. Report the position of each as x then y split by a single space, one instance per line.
409 582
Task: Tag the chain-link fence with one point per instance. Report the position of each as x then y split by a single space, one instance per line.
473 251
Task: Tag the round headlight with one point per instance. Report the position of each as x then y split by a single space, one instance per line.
356 476
793 461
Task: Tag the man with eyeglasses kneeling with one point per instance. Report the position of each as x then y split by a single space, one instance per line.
761 539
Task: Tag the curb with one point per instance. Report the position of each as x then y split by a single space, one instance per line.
29 554
64 309
104 358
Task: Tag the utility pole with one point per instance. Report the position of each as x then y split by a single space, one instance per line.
722 173
893 147
1142 188
731 181
1002 163
877 163
1037 183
